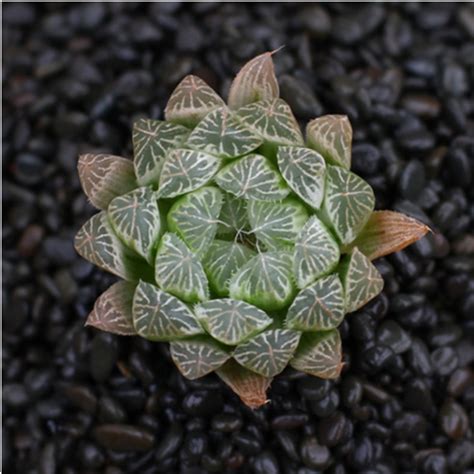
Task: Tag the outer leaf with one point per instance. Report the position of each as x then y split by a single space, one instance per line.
268 353
136 220
191 101
249 386
159 316
197 357
221 134
252 177
331 135
387 232
233 216
178 271
194 217
304 171
277 224
273 120
265 281
316 252
104 177
361 280
223 260
97 243
319 354
255 81
113 310
231 321
152 139
186 170
348 204
319 307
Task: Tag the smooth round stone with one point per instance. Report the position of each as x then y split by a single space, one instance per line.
409 426
363 453
366 159
90 456
434 464
247 443
327 405
459 168
288 441
403 301
103 356
455 80
29 169
424 106
315 20
419 358
412 180
331 430
351 391
226 423
15 395
461 455
459 381
453 419
289 421
314 455
202 403
416 140
124 437
445 360
444 335
195 444
82 397
266 463
300 97
170 443
417 396
392 335
377 357
313 388
110 410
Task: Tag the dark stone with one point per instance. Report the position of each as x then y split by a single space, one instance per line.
266 463
124 437
392 335
314 455
453 419
412 180
226 423
444 360
300 97
202 403
170 442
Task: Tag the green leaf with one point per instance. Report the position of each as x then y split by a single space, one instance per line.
265 281
191 101
178 271
255 81
277 224
348 204
387 232
223 260
152 140
221 134
113 310
331 135
197 357
252 177
159 316
104 177
186 170
316 252
194 218
361 280
231 321
98 244
304 171
319 307
268 353
273 120
136 220
233 217
319 354
249 386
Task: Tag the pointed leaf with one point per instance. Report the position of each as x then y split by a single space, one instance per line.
113 310
136 220
255 81
191 101
316 252
319 307
277 224
387 232
268 353
194 218
98 244
348 204
361 280
159 316
249 386
231 321
152 139
223 260
104 177
252 177
178 271
197 357
304 171
186 170
222 134
331 135
265 281
273 120
319 354
233 217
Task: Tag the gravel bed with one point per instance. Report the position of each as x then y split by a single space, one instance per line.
79 401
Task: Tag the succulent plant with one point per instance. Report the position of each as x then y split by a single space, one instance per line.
237 240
